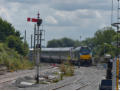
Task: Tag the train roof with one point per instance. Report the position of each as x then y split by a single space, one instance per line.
55 49
78 48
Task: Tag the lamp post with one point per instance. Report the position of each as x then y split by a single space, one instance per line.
80 39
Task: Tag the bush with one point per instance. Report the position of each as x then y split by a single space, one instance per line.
16 43
12 60
63 68
67 69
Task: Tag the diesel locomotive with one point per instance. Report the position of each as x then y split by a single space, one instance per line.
80 55
85 55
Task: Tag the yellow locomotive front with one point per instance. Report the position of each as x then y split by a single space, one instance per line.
85 56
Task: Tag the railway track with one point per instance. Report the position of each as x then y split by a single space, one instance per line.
5 79
73 85
12 76
85 78
80 83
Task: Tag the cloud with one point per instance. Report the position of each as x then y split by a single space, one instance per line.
61 18
80 17
51 20
4 14
71 5
27 1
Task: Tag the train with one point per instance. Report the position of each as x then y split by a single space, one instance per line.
85 55
80 55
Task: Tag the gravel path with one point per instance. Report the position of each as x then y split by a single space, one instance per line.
85 78
89 79
7 79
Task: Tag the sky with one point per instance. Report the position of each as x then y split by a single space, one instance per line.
61 18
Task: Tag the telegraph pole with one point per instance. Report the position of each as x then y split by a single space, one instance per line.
31 40
80 39
25 36
34 44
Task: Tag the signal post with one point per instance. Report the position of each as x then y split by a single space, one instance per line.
37 42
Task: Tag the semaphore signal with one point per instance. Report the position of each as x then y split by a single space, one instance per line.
37 20
38 33
32 20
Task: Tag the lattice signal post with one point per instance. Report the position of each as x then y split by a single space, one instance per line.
37 42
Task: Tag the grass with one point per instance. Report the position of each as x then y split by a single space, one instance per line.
55 73
43 82
55 80
12 60
67 69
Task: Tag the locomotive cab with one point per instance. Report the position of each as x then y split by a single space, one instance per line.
85 56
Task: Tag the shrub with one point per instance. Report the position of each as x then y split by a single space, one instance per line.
15 43
12 60
67 69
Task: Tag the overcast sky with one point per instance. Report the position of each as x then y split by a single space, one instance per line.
61 18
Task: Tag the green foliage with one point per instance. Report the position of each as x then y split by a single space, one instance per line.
104 35
55 80
103 42
54 43
67 69
64 42
12 37
6 29
61 76
16 43
90 42
12 59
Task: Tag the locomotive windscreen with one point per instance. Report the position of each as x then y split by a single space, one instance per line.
85 50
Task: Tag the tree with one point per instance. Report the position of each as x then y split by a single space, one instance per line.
64 42
12 38
103 41
90 42
25 49
104 35
16 43
54 43
6 29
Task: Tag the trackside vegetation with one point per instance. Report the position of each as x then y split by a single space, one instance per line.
13 51
66 69
103 42
12 38
12 60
